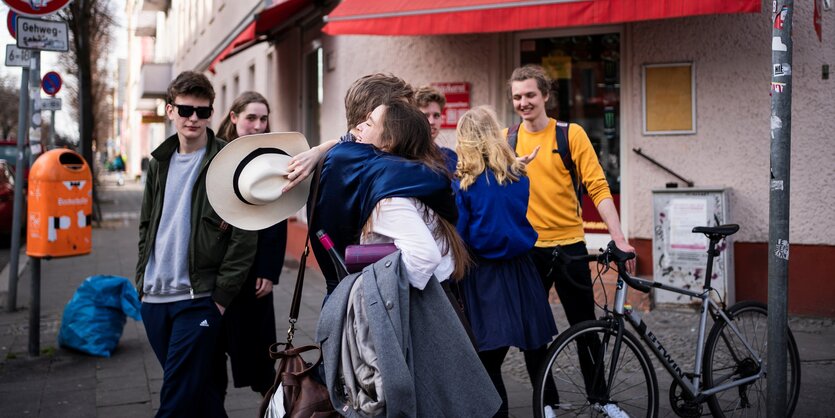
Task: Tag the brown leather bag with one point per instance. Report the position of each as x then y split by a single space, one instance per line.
304 396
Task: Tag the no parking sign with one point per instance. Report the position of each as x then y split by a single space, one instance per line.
51 83
11 23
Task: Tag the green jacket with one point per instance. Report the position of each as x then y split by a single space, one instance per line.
219 255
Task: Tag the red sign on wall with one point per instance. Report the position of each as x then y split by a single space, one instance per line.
457 102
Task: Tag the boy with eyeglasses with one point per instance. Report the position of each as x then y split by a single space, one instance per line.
191 263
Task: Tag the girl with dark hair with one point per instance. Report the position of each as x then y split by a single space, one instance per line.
249 321
249 114
397 129
393 343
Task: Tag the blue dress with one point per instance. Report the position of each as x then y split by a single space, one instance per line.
503 296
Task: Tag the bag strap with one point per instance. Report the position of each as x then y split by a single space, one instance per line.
512 136
297 292
565 155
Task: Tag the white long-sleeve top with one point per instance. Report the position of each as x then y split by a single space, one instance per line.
401 220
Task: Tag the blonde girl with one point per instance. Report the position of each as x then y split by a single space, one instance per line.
503 296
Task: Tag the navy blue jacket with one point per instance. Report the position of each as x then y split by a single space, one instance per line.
492 218
353 179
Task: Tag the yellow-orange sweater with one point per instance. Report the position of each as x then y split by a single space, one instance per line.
552 207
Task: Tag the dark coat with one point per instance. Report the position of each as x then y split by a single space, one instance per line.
249 322
219 255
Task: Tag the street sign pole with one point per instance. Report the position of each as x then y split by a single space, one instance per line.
778 214
51 141
17 211
35 262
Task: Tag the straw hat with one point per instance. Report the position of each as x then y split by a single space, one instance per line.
245 179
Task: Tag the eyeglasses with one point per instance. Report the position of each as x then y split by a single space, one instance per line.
203 112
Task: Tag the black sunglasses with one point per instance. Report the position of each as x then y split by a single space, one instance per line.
203 112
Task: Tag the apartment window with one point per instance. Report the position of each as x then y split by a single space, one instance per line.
223 98
236 87
269 88
313 93
251 86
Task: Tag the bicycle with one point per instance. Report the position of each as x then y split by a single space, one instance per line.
601 368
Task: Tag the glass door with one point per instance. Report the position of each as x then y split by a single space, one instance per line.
585 70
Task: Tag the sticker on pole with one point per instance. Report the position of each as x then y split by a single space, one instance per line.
51 83
16 57
36 7
44 35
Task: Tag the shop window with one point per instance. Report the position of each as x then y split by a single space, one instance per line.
585 89
585 73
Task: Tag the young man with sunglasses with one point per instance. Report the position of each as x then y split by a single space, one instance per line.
191 263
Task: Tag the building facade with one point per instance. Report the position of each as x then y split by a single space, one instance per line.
691 92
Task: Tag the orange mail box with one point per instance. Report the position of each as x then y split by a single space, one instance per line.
60 206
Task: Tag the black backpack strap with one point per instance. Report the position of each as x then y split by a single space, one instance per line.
565 154
512 135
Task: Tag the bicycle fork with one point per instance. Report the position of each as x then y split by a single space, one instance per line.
599 391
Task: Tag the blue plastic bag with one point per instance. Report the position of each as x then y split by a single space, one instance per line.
94 318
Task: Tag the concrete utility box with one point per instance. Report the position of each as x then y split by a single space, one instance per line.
60 206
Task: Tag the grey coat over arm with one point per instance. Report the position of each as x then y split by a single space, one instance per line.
428 365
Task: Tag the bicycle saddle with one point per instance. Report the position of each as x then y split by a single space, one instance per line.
721 230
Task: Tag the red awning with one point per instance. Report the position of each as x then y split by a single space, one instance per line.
264 23
436 17
247 35
279 13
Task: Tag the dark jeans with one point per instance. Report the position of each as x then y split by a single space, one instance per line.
183 336
577 301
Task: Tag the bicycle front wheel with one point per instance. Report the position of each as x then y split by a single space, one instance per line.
580 363
727 359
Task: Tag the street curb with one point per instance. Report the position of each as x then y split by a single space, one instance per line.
22 262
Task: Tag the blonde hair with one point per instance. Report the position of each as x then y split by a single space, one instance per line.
481 145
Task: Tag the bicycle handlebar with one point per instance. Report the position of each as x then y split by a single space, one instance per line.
620 258
611 254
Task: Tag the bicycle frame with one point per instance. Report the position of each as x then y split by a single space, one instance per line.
691 386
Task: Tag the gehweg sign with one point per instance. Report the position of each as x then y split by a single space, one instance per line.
44 35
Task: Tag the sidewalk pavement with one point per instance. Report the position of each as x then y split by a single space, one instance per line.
61 383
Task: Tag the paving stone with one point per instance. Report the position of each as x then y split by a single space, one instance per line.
123 396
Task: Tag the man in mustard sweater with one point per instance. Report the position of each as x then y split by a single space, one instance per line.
553 209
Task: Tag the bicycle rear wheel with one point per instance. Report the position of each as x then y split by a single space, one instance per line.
726 359
633 388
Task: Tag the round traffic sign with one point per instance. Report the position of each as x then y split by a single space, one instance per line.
51 83
36 7
11 23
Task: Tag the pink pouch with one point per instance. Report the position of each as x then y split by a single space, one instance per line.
359 256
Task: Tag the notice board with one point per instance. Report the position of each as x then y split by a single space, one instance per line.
669 99
679 256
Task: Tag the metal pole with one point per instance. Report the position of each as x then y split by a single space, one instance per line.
51 141
35 98
35 308
17 210
778 222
